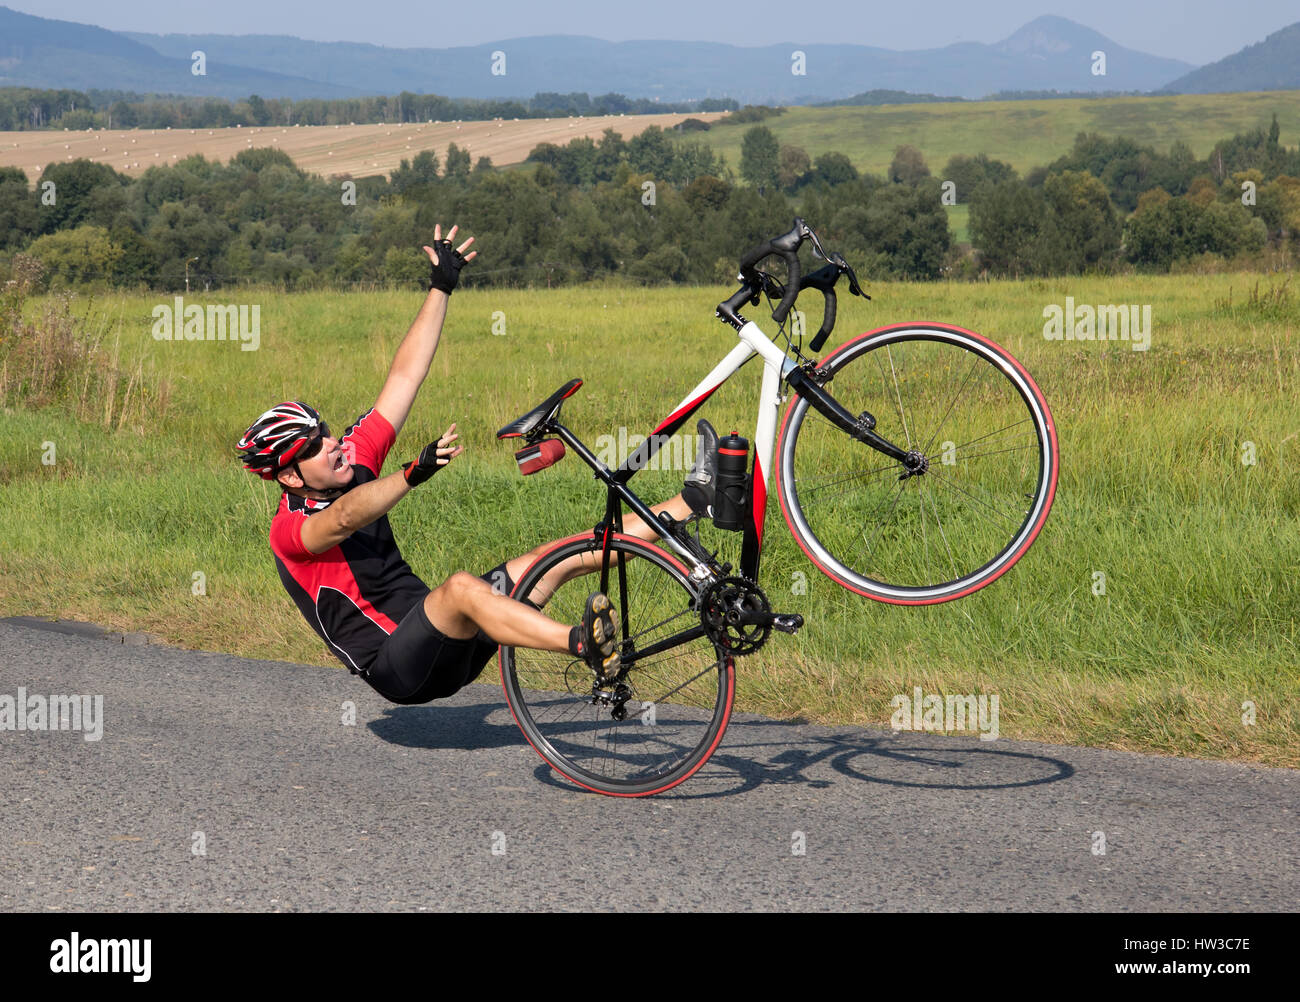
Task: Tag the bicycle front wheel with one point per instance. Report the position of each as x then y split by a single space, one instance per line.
983 476
658 721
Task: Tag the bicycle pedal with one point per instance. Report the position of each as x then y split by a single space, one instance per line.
787 622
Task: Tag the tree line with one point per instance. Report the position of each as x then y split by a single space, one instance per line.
27 108
1108 203
657 208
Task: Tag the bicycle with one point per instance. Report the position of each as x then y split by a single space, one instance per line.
843 482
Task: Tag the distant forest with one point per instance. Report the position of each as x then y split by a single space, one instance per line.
24 108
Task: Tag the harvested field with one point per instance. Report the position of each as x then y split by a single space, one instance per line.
356 150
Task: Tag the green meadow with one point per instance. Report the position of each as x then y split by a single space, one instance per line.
1024 134
1157 611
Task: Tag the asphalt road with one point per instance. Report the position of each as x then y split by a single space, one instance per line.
445 806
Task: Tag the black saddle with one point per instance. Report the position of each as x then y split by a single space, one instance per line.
524 426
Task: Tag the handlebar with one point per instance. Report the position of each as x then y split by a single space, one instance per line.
786 246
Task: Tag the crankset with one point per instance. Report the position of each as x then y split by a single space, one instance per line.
737 617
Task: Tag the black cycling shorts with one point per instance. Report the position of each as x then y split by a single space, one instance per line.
418 662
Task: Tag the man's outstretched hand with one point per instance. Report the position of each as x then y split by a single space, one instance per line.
433 457
446 261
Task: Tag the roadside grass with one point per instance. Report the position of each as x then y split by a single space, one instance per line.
1179 483
1024 134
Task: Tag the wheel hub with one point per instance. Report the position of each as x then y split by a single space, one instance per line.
914 464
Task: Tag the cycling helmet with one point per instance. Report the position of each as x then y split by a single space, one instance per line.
275 439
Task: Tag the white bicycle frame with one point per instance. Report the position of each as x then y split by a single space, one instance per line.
776 365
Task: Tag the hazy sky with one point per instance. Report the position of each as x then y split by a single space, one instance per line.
1198 31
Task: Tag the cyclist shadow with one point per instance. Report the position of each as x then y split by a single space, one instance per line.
758 753
441 725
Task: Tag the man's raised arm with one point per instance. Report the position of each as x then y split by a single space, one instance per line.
369 501
415 353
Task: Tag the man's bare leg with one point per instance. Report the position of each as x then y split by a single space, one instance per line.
633 525
463 604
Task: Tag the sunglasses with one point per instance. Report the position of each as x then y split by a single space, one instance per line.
310 450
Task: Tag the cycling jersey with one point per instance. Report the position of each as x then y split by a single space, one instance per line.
356 593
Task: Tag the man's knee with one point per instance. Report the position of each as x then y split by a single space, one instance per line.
456 591
449 607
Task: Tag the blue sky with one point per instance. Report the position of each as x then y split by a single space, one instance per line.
1198 31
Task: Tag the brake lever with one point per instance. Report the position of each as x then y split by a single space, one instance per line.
837 259
818 250
853 283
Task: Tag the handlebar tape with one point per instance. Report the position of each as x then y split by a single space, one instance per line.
787 248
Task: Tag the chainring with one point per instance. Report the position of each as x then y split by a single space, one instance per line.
722 606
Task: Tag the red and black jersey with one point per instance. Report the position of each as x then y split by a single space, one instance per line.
355 593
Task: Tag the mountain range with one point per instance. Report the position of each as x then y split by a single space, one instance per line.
1048 53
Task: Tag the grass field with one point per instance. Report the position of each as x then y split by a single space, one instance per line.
1024 134
1180 483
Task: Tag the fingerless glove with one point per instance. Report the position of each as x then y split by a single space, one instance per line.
417 471
446 273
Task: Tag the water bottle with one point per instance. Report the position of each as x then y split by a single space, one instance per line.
729 495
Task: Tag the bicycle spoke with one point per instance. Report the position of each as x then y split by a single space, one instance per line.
820 490
925 539
678 688
952 561
878 469
871 543
892 379
998 452
957 487
961 389
992 433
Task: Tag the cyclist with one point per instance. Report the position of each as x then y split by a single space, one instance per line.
338 560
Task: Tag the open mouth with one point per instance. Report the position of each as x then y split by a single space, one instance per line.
340 464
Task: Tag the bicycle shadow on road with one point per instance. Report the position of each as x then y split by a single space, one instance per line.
759 753
751 757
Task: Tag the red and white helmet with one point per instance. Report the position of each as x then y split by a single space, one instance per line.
276 438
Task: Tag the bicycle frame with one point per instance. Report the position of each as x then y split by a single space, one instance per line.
776 367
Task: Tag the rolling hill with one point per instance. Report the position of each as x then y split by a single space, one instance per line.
1273 64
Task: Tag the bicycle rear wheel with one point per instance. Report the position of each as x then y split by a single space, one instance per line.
663 715
987 478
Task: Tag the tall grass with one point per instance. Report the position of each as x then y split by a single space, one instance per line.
58 358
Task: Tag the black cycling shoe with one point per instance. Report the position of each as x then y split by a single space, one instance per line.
598 637
701 482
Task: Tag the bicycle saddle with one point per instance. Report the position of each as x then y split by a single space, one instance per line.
543 412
